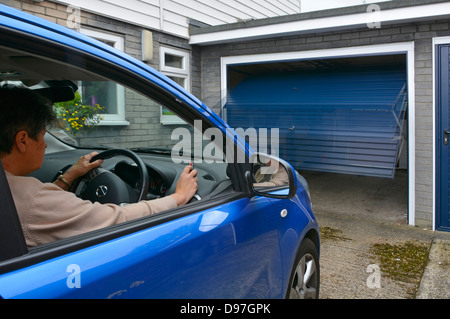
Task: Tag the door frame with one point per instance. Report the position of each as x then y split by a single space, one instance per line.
436 112
379 49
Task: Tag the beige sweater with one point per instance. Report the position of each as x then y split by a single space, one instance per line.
48 213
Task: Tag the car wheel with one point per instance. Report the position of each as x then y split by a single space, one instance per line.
305 277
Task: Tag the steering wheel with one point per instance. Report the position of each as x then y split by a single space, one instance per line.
103 186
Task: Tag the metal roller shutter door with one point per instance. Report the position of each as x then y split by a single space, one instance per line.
334 121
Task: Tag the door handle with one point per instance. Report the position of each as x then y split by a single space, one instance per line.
446 133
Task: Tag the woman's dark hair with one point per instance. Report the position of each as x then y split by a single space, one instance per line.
22 109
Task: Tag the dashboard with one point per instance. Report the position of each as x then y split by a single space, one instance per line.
163 172
158 185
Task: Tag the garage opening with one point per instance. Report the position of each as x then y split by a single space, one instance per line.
342 118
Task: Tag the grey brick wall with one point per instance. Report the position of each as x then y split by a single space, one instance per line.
424 130
421 33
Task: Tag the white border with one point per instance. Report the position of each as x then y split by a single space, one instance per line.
435 41
403 47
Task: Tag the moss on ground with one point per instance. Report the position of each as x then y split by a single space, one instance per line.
332 234
404 263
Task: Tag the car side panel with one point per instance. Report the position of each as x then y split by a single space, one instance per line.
299 220
231 251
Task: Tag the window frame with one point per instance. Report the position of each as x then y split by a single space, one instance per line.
118 43
169 71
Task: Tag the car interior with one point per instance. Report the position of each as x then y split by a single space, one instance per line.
59 82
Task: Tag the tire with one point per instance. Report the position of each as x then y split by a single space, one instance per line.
305 275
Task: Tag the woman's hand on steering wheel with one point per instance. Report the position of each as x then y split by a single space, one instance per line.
104 186
84 165
80 168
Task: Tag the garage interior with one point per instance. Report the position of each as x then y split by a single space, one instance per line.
358 107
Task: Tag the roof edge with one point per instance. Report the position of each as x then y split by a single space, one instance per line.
203 35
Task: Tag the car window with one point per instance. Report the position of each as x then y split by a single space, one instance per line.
83 119
82 99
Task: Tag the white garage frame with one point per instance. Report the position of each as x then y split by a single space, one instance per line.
370 50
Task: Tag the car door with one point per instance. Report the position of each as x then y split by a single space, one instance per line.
231 250
227 246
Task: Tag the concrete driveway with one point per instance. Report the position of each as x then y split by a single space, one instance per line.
368 251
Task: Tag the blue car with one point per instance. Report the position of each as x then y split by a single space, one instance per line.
240 236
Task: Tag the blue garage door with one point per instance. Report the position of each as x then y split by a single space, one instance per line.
443 130
334 121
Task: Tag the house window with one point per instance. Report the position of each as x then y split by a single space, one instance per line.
175 65
108 95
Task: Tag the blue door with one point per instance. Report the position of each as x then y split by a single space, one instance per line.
443 136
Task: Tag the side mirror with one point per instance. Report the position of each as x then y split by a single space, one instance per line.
271 176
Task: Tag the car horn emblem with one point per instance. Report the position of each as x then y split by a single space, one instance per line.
101 191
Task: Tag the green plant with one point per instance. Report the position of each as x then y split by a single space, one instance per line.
78 117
